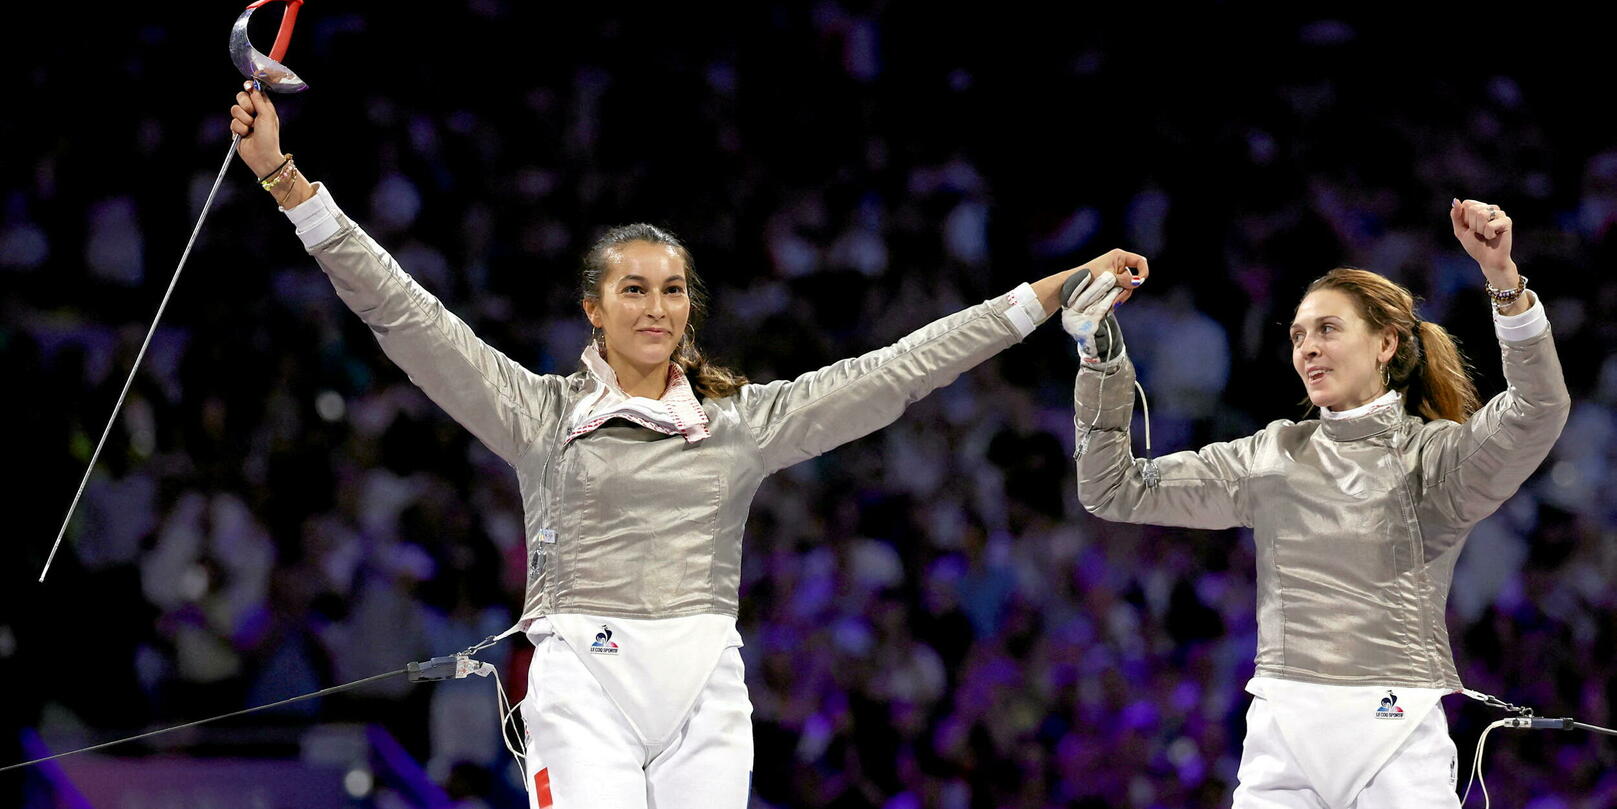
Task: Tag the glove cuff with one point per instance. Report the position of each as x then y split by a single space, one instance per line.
1103 395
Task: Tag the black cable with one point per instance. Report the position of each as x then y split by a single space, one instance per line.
322 692
1525 714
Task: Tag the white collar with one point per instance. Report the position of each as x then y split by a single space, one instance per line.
1391 397
676 413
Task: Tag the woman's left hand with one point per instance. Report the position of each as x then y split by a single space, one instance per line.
1486 233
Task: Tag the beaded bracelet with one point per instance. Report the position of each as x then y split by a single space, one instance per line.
285 159
1503 298
282 176
279 175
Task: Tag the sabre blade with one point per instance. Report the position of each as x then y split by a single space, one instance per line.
144 344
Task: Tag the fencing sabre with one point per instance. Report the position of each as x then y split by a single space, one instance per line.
267 73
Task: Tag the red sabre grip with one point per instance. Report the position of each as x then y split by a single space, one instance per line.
289 18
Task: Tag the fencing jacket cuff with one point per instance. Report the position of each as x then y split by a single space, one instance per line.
315 218
1024 310
1525 326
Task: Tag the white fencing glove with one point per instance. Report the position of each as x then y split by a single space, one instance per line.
1086 307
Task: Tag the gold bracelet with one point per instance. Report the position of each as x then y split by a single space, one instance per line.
290 187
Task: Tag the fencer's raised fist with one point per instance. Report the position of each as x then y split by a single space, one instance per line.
253 118
1484 231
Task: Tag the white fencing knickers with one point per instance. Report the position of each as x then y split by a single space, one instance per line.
583 752
1304 753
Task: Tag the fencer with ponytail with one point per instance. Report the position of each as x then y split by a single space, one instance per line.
1427 368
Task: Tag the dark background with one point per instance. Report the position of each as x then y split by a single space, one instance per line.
931 619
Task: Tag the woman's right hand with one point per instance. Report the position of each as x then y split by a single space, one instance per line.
253 118
1130 270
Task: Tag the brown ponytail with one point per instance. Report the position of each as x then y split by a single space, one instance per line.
710 381
1440 387
1427 367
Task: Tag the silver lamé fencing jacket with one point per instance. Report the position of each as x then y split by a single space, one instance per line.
1357 521
625 521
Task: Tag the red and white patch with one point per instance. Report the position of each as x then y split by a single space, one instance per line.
541 788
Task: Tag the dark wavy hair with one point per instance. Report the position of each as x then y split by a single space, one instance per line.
709 380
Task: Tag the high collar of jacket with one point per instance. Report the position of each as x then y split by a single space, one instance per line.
677 413
1380 417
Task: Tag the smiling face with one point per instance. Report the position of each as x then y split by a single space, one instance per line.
643 305
1336 353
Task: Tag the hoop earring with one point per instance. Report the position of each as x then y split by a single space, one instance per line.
1386 376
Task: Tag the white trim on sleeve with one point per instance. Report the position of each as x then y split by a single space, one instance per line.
1025 312
1525 326
315 218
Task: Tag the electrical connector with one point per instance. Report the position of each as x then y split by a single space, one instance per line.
447 667
1540 722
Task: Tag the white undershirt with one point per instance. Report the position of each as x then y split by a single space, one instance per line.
1390 397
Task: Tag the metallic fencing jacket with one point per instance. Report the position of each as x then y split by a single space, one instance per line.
1357 521
625 521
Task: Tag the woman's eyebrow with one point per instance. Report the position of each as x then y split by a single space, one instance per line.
1297 324
642 278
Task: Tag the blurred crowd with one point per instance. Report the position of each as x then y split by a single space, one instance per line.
932 621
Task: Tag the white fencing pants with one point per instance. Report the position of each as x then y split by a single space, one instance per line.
1419 775
584 754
